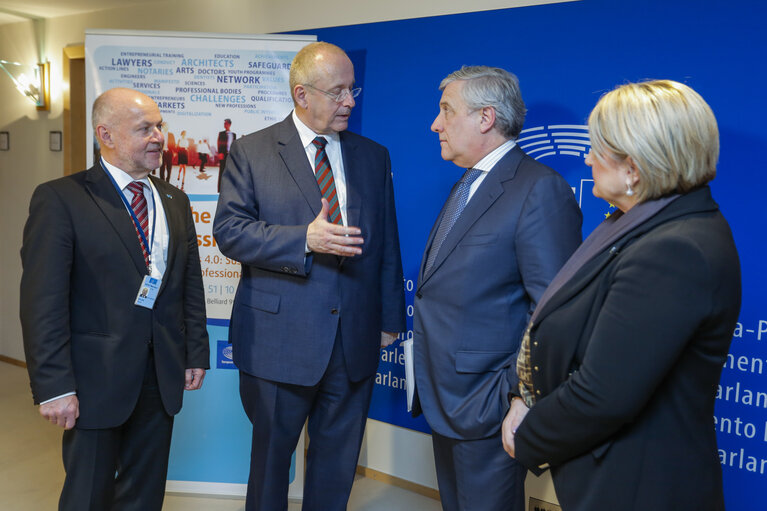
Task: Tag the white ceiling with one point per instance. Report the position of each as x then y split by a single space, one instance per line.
13 11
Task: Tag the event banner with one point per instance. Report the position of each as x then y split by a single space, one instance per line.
211 89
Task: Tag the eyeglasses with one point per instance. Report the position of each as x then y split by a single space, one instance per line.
341 96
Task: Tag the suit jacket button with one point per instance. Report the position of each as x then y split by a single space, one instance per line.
334 311
419 295
285 269
536 368
538 392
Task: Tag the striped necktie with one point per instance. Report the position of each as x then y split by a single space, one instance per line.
324 175
140 209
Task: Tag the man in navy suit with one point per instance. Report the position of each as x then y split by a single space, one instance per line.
307 207
508 226
107 362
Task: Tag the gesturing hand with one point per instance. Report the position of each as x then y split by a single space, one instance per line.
328 238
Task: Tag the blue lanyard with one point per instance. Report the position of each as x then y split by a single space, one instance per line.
133 213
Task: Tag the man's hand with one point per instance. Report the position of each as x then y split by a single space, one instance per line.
62 412
512 421
387 338
328 238
194 378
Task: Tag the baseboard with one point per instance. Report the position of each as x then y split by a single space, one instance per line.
13 361
210 489
399 482
238 490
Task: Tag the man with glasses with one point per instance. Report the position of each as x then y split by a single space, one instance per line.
307 207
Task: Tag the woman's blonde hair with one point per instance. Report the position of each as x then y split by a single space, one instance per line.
665 127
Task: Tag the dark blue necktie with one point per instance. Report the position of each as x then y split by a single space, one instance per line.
455 204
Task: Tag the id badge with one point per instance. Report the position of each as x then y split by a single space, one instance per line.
147 292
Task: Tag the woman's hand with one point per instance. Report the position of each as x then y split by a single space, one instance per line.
512 421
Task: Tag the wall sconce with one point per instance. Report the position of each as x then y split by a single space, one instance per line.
31 81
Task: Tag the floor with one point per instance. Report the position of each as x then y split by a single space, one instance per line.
31 473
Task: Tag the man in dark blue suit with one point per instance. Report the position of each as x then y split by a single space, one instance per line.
508 226
308 209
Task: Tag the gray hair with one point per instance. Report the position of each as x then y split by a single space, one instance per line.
665 127
102 110
492 87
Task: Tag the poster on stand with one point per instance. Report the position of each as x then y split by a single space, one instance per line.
210 88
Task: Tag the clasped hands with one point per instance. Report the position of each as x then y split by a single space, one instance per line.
328 238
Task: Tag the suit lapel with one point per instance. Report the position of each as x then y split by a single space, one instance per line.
486 194
107 199
353 173
580 280
293 155
176 231
697 201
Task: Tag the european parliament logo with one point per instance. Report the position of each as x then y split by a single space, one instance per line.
224 358
564 147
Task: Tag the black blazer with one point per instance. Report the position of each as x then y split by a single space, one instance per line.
82 266
627 358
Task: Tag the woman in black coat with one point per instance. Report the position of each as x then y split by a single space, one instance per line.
621 360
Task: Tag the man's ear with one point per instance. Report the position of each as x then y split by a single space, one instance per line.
487 119
104 136
299 93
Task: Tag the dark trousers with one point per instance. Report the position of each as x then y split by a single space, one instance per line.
122 468
203 161
166 165
337 410
478 475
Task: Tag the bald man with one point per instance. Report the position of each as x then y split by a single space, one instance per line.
112 311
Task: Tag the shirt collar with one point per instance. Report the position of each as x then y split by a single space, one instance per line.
487 163
307 134
121 177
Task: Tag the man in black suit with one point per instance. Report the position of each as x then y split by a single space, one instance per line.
225 139
112 311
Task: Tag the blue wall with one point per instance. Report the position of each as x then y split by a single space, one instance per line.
566 56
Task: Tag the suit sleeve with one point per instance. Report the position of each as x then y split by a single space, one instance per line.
197 344
392 289
549 231
638 337
240 232
46 258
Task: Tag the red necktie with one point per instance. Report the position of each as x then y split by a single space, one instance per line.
324 175
140 209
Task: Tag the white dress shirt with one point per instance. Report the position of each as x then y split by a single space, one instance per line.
333 150
158 229
487 163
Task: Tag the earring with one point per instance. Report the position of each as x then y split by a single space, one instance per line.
629 191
